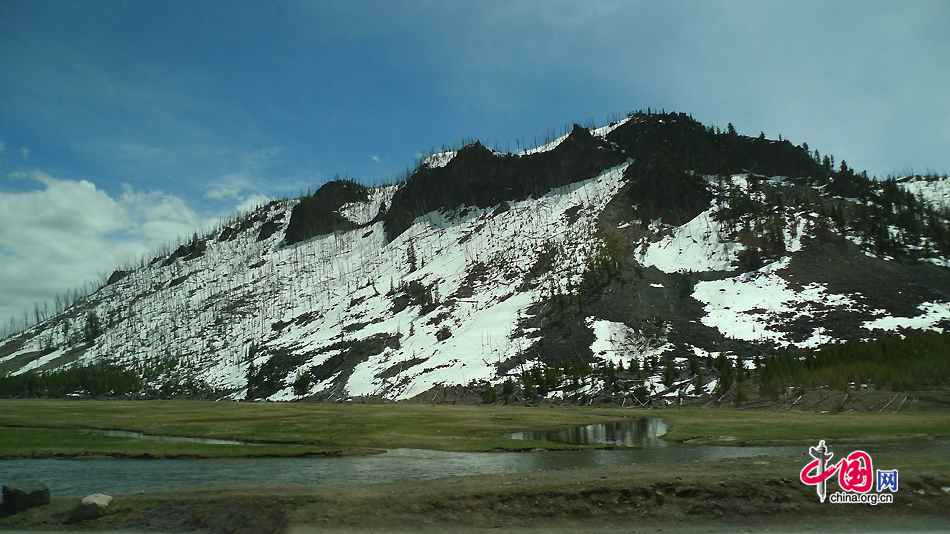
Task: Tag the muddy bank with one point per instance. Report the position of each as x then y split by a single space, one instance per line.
754 492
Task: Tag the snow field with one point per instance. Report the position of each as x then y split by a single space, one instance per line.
364 212
937 193
617 342
482 324
698 245
753 306
932 313
209 310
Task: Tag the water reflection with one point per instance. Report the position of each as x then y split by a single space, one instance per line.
643 432
76 477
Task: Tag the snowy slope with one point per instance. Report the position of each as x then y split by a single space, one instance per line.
211 309
360 313
935 192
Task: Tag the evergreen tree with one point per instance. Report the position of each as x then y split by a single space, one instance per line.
411 257
302 383
508 389
93 327
669 373
725 376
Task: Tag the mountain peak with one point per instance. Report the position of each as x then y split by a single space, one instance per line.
649 244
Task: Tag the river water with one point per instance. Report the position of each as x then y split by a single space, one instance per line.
81 477
644 432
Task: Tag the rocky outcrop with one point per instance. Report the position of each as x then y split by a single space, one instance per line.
318 214
708 151
116 276
91 507
191 251
477 176
25 494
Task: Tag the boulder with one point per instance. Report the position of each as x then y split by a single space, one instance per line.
25 494
91 507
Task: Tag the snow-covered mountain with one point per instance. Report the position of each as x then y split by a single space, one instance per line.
652 239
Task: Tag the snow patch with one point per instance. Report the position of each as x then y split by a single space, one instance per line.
604 130
933 313
754 306
39 362
619 343
936 193
363 212
439 159
698 245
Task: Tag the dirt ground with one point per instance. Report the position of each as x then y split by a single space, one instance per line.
750 494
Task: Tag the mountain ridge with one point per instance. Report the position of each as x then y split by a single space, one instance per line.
651 242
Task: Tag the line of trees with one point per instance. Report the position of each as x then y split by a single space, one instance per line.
94 380
615 378
916 362
164 376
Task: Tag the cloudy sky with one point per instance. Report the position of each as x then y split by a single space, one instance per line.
126 124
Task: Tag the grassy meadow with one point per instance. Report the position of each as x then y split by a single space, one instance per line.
47 428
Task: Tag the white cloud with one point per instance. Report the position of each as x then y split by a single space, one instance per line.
230 186
26 152
251 202
260 159
56 238
247 182
157 217
375 158
3 146
241 189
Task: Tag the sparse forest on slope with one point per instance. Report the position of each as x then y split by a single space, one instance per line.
652 260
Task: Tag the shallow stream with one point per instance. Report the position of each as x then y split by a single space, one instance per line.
80 477
643 432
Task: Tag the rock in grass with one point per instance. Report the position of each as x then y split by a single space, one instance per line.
91 507
25 494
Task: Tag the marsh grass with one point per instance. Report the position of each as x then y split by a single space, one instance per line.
47 428
54 427
32 442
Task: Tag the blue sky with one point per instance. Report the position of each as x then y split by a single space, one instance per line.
126 124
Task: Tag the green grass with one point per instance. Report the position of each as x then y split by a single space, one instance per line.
27 442
46 428
53 426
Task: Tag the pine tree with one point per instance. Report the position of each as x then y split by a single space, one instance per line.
411 257
669 373
93 327
725 377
